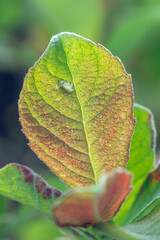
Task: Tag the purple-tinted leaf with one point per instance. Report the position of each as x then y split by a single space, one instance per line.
22 184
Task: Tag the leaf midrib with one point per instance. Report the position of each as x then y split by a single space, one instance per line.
83 121
88 145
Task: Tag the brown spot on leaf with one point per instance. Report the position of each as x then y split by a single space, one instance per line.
41 186
57 193
29 178
29 174
155 175
47 193
23 169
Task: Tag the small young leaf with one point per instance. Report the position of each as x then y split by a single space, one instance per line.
142 156
147 199
89 205
21 184
146 229
76 109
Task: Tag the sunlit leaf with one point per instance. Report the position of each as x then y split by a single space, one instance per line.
21 184
76 109
89 205
142 155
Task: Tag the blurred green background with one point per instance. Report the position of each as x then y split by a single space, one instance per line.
130 29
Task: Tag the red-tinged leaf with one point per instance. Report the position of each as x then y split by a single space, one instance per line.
76 109
117 188
88 206
22 184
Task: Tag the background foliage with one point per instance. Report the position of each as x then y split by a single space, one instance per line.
129 28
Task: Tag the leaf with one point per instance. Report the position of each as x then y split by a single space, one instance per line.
142 155
111 232
76 109
146 229
148 226
20 183
86 206
148 197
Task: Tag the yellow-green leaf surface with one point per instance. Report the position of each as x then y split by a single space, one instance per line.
76 109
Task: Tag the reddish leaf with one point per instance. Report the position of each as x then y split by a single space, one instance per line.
76 109
88 206
22 184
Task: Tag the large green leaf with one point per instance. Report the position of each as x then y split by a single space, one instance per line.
142 154
76 109
21 184
146 229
